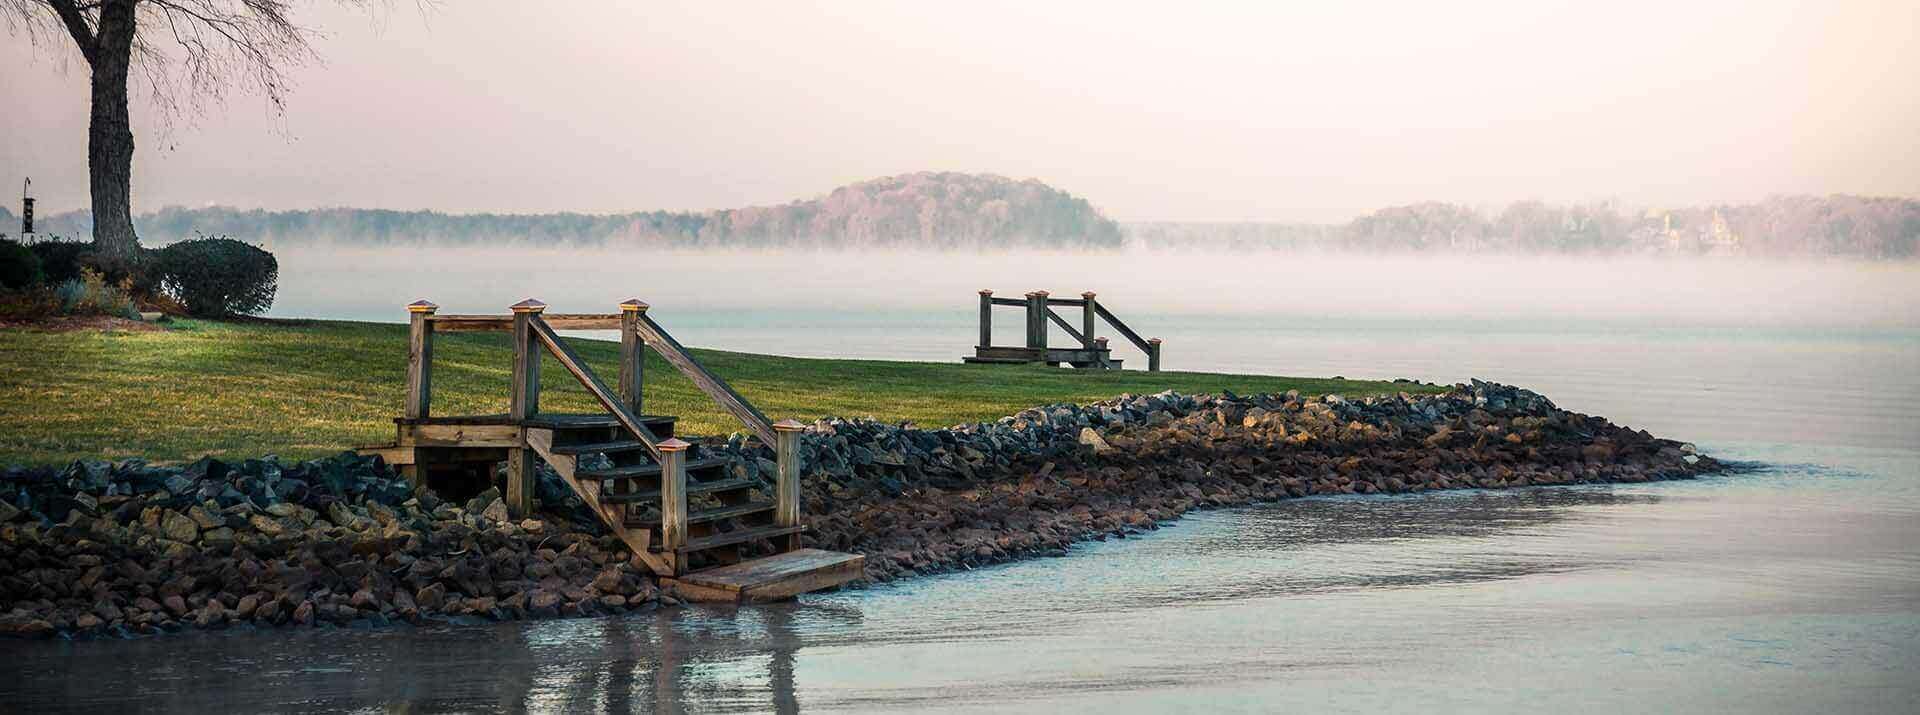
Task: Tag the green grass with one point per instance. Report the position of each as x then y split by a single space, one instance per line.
316 387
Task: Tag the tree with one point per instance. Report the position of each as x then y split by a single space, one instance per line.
187 51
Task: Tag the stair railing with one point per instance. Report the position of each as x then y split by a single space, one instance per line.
535 333
1039 312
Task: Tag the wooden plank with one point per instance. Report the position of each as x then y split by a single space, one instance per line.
701 516
432 435
502 323
572 362
582 321
729 400
1131 336
1071 302
787 485
722 485
471 323
782 575
647 470
986 318
1016 302
1010 353
738 536
697 594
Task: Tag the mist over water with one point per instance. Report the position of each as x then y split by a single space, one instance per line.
1705 348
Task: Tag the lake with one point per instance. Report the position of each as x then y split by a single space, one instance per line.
1792 585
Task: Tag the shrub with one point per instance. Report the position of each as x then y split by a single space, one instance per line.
215 277
90 294
62 260
19 267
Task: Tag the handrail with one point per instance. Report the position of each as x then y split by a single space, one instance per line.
1077 336
572 362
504 323
677 356
1134 337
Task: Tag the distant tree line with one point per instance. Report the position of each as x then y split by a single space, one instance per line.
1840 225
921 210
952 210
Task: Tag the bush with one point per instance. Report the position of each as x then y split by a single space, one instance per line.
62 260
90 294
216 277
19 267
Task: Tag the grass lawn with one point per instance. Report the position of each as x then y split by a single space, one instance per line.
309 388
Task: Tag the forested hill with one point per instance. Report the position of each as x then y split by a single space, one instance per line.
1785 226
942 210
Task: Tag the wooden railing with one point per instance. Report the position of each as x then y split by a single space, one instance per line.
1039 313
535 333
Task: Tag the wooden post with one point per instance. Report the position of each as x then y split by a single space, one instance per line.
1100 353
525 404
786 501
986 318
1086 320
526 360
673 497
1037 319
419 359
1153 355
633 355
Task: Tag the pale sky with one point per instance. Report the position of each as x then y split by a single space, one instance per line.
1160 111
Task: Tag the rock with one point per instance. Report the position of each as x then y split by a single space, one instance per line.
495 512
303 613
179 527
1093 439
266 525
205 519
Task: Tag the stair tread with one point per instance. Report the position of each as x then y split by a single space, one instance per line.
625 445
692 488
647 470
701 516
738 536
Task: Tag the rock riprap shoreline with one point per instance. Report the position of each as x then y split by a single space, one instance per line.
102 549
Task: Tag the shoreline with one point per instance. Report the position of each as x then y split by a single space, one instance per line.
142 550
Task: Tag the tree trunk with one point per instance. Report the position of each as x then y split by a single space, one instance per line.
110 134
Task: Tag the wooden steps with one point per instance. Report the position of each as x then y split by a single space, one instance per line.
772 578
629 470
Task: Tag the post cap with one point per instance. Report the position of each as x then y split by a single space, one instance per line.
1155 341
1101 341
1042 293
986 291
634 304
530 305
788 425
673 444
1087 295
422 306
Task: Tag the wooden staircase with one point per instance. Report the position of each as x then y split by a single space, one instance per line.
709 533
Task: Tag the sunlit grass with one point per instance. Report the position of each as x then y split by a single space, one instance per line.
312 388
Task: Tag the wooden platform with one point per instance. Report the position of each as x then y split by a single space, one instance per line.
1077 357
773 578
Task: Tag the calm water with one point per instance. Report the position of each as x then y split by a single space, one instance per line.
1791 587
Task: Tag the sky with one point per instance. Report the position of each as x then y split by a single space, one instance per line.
1153 111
